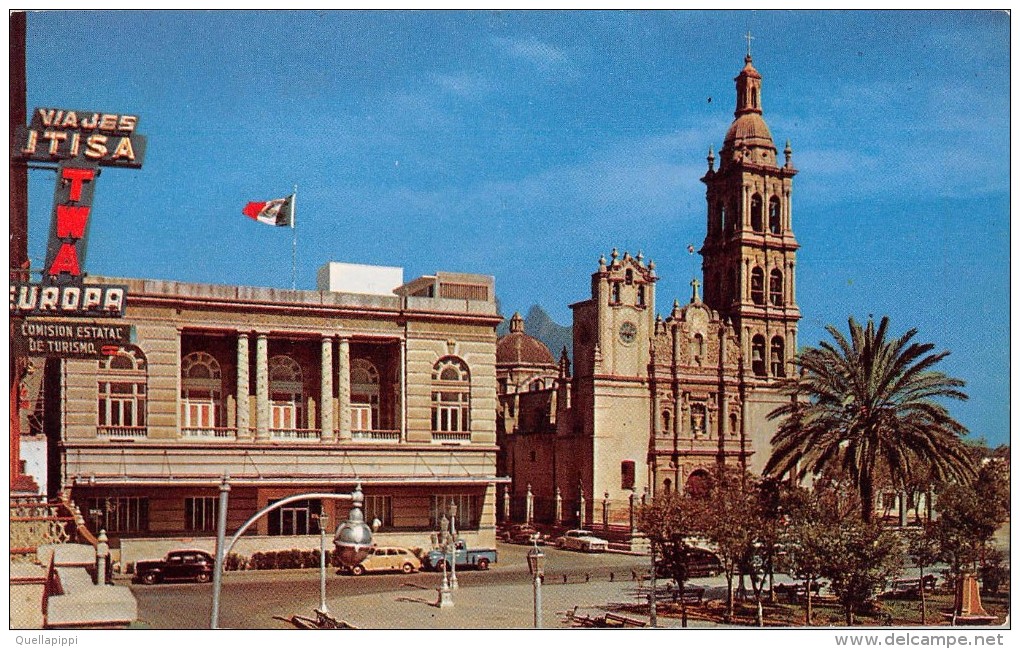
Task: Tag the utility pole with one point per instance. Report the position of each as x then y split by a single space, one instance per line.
18 270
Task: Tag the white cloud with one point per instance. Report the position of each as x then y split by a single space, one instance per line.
531 49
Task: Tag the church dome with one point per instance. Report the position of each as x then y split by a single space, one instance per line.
748 130
518 348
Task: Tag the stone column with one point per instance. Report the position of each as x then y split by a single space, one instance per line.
605 511
403 389
529 506
261 387
559 507
581 506
243 386
343 388
506 504
327 433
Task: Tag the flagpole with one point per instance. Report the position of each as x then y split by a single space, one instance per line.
293 251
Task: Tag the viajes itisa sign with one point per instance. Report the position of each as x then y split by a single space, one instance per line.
80 142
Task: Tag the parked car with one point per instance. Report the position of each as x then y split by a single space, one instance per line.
522 534
177 565
700 563
387 559
465 558
582 540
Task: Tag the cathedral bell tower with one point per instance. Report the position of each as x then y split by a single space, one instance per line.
749 253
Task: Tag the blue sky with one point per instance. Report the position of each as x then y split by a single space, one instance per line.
526 144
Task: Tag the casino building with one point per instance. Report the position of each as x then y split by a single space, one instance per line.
377 382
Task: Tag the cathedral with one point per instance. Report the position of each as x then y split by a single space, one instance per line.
650 403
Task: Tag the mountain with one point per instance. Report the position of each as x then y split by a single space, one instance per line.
539 325
555 336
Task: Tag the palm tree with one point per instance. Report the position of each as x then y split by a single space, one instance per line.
866 405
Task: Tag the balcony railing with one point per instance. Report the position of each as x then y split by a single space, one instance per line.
122 432
451 436
293 433
376 435
209 433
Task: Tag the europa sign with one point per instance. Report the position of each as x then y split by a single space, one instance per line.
97 301
105 139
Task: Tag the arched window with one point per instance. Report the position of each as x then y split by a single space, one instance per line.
667 485
667 421
641 295
697 349
774 224
122 394
733 424
201 392
536 385
615 296
451 396
629 276
757 221
364 395
758 355
758 286
699 483
776 287
777 360
285 394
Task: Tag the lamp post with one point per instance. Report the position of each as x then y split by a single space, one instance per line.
445 596
536 565
352 540
323 520
453 540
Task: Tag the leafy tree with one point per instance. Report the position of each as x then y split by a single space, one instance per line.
812 517
672 523
923 548
862 557
729 521
867 404
969 514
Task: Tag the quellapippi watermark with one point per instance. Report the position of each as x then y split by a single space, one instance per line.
49 640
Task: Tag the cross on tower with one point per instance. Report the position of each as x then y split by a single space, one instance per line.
749 39
695 284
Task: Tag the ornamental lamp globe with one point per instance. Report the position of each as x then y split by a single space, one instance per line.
353 537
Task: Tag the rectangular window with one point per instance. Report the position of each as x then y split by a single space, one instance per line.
119 513
380 507
361 417
296 518
627 474
468 510
200 514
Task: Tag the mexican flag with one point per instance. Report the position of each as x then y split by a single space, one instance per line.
279 211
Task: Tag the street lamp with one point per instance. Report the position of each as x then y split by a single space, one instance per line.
536 566
445 597
352 540
453 539
323 521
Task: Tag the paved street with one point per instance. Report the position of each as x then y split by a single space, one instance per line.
498 598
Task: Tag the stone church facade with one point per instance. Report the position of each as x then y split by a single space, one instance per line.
651 404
